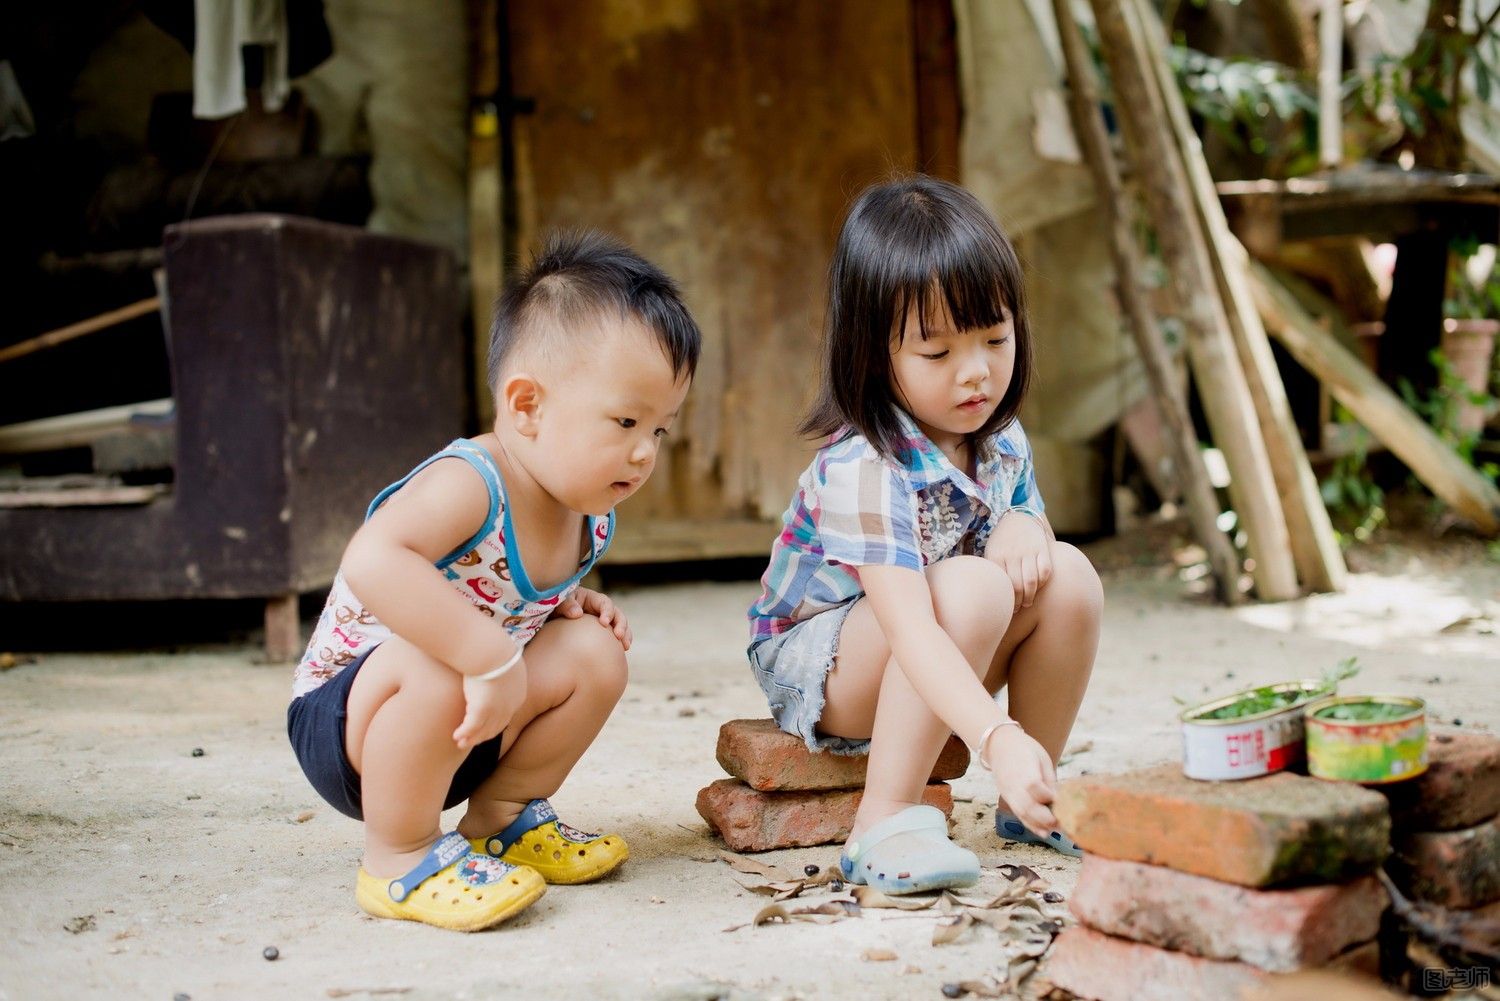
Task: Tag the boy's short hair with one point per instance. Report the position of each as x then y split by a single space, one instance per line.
579 277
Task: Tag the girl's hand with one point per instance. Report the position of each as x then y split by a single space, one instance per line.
1024 777
1022 546
585 601
489 705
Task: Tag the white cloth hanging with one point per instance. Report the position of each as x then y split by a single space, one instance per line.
222 28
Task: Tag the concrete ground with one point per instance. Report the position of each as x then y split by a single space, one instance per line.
133 869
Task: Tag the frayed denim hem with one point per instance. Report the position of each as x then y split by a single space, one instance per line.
792 670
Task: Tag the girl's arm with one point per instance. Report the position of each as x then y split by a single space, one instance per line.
389 566
937 669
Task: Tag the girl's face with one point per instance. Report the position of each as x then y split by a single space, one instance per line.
952 382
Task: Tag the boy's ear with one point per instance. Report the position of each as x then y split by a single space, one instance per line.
521 403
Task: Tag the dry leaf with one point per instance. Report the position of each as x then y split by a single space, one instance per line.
868 896
878 956
1019 972
304 816
756 868
982 988
952 929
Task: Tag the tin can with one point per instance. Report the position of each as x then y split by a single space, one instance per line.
1246 746
1372 752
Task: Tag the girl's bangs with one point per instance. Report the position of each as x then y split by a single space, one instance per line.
974 285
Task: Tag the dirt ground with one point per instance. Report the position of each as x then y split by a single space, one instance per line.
132 868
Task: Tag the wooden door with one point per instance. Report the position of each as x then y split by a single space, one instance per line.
723 139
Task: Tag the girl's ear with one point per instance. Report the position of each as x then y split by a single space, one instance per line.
521 403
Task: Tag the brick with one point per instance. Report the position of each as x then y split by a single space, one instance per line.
753 821
1095 965
1322 985
768 758
1281 930
1460 788
1451 868
1256 832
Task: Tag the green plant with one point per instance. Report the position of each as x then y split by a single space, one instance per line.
1473 290
1440 408
1366 712
1267 697
1355 502
1243 99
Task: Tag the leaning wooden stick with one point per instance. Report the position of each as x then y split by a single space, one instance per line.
1315 547
1226 398
1375 406
1198 492
72 331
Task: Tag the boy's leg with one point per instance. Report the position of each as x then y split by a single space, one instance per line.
1048 652
868 695
575 674
403 708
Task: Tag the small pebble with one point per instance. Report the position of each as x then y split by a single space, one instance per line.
810 870
953 991
197 752
270 952
182 997
837 886
1457 721
1052 897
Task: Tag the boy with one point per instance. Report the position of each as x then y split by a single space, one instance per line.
457 657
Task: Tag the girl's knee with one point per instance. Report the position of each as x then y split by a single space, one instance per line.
971 592
1075 580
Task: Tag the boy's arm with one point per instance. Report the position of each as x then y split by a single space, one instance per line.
389 566
937 669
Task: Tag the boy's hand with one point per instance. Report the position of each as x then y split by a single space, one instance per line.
489 705
1024 778
585 601
1023 548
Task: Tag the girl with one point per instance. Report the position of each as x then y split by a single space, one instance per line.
916 573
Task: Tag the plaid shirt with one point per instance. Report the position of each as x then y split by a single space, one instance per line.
854 508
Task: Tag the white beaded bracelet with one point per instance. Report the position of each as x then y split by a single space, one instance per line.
515 659
984 740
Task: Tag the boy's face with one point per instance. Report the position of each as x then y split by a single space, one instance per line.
952 382
603 417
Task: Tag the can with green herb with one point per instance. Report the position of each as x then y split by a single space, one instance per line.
1372 739
1249 733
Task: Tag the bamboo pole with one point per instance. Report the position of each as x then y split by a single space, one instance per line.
1375 406
1216 365
1198 492
72 331
1315 547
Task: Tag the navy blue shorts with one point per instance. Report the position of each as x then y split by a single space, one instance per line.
315 723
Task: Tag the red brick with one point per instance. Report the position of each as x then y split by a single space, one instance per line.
768 758
1099 966
1451 868
1280 930
1256 832
1460 788
752 821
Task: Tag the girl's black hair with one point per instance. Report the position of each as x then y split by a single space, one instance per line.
903 244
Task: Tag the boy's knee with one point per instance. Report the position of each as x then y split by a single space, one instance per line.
970 592
597 657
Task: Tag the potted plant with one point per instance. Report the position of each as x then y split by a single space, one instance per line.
1471 324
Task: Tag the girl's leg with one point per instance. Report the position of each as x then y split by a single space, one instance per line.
403 708
575 674
868 695
1048 651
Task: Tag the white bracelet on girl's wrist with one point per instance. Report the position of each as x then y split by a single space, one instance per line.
984 739
515 659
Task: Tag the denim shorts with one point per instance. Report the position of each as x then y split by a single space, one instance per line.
315 723
792 669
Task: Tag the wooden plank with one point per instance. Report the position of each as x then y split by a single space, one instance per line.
73 331
83 496
283 630
1170 401
939 105
486 215
75 430
659 541
1315 547
1433 461
1211 349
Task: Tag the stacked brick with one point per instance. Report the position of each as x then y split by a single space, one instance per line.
1445 824
784 796
1201 890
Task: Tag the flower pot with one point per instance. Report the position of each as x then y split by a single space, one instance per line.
1469 347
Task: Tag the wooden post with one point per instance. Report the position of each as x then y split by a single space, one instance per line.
283 630
1315 547
72 331
1221 380
1330 70
1198 492
1433 461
